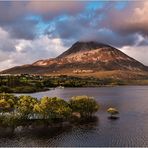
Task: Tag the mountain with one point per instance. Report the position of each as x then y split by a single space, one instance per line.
83 46
84 58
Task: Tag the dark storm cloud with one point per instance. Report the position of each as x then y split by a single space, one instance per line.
12 19
22 30
11 11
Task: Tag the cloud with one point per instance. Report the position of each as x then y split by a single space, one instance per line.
49 9
108 24
41 48
43 29
79 20
138 21
6 44
13 15
132 19
27 51
13 10
23 29
139 53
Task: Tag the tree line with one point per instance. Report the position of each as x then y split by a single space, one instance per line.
29 83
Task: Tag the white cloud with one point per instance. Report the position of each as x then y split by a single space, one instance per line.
40 48
136 52
27 51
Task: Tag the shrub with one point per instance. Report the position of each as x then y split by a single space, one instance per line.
112 111
51 108
25 105
84 105
7 102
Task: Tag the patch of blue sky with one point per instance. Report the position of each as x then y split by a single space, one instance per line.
94 5
33 17
120 5
41 25
63 17
49 26
106 31
92 16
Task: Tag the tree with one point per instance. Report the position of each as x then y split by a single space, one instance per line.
84 105
112 112
4 105
53 108
7 102
25 105
5 89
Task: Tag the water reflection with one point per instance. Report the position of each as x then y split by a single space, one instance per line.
46 134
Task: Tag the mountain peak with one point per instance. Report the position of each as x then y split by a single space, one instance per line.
84 57
82 46
88 43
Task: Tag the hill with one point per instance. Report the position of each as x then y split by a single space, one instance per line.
86 58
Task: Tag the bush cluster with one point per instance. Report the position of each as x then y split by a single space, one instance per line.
14 110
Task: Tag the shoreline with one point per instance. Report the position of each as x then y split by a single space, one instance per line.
109 86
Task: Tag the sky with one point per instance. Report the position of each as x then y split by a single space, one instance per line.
33 30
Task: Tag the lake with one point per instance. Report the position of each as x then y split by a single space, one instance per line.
131 129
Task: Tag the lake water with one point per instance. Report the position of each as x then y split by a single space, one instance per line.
131 129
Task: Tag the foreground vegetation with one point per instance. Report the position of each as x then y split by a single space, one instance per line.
26 110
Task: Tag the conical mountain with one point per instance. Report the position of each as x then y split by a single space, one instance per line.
83 57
